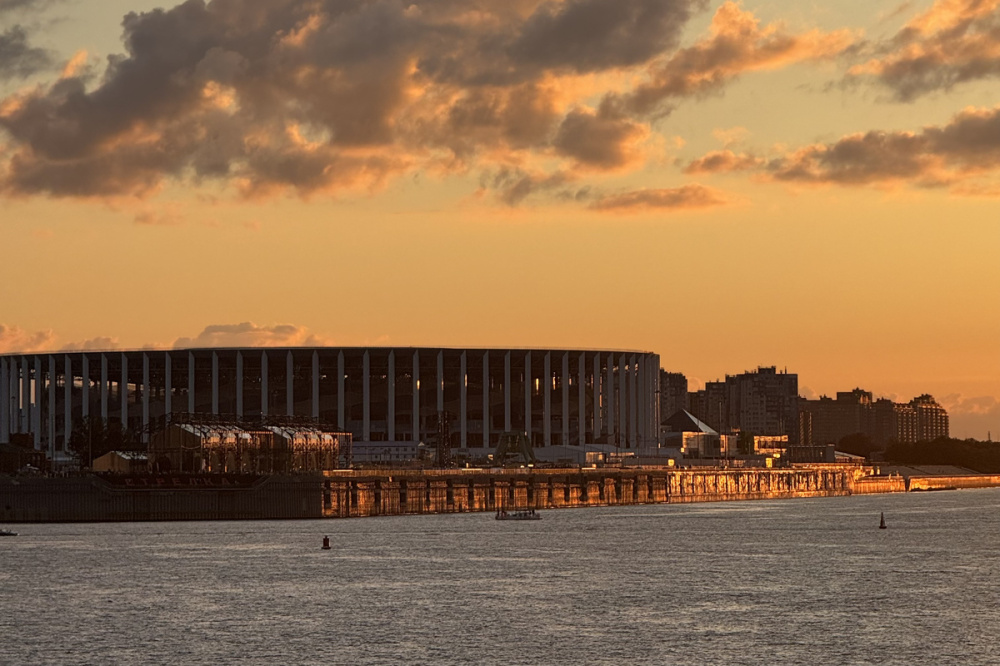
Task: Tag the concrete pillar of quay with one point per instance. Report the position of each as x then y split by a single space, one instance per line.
521 494
481 493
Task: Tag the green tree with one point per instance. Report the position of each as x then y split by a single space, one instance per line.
858 444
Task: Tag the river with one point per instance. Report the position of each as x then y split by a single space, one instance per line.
810 581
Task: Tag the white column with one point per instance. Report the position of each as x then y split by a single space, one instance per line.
104 387
67 400
25 394
85 398
547 402
191 382
622 406
239 384
215 382
565 399
391 390
486 398
315 385
642 395
440 382
341 398
289 384
124 391
168 386
527 397
145 397
366 398
596 378
609 398
416 396
463 389
633 404
263 383
506 392
581 388
5 403
36 408
51 434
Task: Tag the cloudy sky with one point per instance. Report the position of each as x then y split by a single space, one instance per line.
809 185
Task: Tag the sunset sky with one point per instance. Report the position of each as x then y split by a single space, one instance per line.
809 185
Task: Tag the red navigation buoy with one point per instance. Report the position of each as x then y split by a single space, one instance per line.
326 543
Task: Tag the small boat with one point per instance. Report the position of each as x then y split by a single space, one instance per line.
528 514
882 524
4 532
326 543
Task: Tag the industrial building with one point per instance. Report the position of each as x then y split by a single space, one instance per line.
559 397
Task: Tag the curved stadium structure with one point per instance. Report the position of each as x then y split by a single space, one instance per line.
379 394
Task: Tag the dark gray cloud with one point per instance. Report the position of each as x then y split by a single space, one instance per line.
18 58
309 95
949 44
736 43
592 35
604 139
690 196
965 149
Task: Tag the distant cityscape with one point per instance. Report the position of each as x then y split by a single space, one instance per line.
765 403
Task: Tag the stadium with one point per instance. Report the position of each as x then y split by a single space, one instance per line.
381 396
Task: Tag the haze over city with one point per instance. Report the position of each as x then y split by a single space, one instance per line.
725 184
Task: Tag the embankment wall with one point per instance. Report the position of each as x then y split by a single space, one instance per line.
950 482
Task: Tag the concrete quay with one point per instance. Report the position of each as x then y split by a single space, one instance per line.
362 493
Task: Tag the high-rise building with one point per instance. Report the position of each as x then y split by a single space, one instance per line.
882 420
932 419
833 420
761 402
673 393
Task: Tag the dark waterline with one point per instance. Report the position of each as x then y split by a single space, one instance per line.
778 582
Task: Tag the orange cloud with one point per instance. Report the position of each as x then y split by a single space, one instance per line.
678 198
14 339
954 41
954 154
722 161
736 43
248 334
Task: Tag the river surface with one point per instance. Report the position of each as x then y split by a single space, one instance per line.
810 581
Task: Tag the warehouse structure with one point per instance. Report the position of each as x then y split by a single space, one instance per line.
557 396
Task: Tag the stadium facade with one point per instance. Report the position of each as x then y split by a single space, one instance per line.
379 394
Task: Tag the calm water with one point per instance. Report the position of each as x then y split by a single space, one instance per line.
779 582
